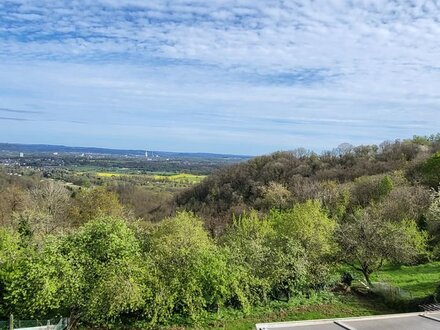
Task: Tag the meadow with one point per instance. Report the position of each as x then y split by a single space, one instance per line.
180 178
418 281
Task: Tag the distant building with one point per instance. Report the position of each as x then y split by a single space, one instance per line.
21 155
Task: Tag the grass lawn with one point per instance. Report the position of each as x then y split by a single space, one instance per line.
417 281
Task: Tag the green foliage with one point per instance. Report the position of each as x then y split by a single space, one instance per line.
248 245
93 203
45 278
95 274
367 242
276 195
289 269
369 190
283 254
190 268
308 224
308 227
433 218
422 140
304 175
417 281
430 170
101 269
111 278
11 253
385 187
24 227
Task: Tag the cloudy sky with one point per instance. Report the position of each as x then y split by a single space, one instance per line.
230 76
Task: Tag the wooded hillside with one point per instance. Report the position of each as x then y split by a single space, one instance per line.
285 178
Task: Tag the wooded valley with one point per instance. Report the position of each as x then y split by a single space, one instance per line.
148 251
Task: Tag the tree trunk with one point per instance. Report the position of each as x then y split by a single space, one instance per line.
73 319
366 273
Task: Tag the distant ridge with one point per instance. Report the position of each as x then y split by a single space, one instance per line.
50 148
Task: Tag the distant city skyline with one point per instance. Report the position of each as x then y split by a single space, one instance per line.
222 76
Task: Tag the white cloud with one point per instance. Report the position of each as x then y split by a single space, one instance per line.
368 69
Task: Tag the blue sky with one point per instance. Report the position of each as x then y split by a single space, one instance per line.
229 76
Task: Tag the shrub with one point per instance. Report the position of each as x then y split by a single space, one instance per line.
191 270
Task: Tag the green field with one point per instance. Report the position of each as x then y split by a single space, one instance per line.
417 281
180 178
108 174
166 177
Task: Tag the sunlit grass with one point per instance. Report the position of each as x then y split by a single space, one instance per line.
418 281
107 174
180 178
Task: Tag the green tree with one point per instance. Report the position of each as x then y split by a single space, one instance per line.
191 270
366 243
112 276
430 170
309 232
433 222
272 263
95 274
309 225
93 203
385 187
370 189
247 243
276 195
43 281
11 255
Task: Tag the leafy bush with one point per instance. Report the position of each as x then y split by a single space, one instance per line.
308 224
11 254
366 242
430 170
191 270
247 244
94 274
283 254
